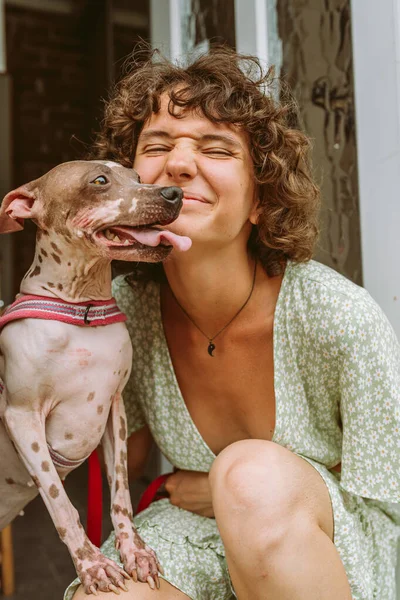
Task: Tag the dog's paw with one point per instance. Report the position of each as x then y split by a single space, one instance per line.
101 574
140 562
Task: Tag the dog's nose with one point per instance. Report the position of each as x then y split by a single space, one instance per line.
172 194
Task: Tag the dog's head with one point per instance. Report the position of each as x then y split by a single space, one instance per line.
102 206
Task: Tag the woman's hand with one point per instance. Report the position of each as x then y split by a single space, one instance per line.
191 491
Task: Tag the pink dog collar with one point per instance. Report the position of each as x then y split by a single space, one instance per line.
83 314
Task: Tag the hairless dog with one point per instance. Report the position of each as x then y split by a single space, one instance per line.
66 354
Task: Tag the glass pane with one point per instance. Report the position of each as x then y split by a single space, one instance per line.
205 22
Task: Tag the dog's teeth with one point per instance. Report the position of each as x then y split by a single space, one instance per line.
113 237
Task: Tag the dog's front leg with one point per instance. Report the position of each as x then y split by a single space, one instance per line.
26 430
139 560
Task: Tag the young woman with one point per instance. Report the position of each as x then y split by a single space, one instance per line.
269 381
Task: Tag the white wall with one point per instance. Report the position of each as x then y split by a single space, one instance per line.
376 52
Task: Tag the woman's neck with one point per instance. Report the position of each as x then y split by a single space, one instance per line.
212 291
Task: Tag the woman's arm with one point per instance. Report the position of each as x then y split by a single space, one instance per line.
191 491
139 445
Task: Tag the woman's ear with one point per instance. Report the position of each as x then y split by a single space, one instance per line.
254 218
255 212
16 207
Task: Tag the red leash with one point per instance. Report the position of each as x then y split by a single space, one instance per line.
150 493
95 498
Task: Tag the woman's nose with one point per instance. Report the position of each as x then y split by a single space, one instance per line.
181 165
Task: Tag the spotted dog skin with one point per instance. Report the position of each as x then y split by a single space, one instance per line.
63 383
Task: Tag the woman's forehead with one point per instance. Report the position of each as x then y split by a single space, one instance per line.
193 121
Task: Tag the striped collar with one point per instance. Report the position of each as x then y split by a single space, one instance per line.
85 314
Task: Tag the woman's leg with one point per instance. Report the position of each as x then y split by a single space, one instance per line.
136 591
274 514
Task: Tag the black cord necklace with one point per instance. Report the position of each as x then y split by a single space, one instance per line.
211 345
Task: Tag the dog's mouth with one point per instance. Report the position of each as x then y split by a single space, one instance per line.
124 237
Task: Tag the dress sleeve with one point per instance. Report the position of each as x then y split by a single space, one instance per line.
124 295
370 403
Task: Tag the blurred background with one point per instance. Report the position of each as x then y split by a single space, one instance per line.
341 58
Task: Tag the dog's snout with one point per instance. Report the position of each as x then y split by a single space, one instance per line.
172 194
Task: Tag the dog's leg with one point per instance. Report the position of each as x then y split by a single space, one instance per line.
139 560
26 429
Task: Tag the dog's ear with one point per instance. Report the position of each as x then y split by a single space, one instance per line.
16 207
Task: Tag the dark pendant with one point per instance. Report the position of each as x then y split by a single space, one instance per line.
211 349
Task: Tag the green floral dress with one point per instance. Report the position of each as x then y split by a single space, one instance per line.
337 389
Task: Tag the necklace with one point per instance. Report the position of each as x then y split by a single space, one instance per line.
211 345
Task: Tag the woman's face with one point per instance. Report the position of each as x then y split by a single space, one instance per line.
212 164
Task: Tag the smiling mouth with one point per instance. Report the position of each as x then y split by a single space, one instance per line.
194 199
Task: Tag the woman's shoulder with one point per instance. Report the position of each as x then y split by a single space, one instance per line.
318 283
321 299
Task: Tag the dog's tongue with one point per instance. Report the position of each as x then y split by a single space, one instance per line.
154 237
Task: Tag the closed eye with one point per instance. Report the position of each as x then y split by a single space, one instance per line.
100 180
217 151
156 149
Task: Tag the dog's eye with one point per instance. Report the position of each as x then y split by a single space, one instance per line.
100 180
138 179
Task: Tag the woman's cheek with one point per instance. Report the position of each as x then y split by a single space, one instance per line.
147 170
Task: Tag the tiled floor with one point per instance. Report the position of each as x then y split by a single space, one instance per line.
43 567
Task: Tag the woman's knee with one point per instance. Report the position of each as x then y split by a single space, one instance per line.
137 591
253 473
267 484
80 594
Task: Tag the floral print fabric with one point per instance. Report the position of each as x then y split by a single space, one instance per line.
337 389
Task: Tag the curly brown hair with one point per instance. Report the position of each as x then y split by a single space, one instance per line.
227 87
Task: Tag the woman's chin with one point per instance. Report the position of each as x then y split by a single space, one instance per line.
181 227
203 232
